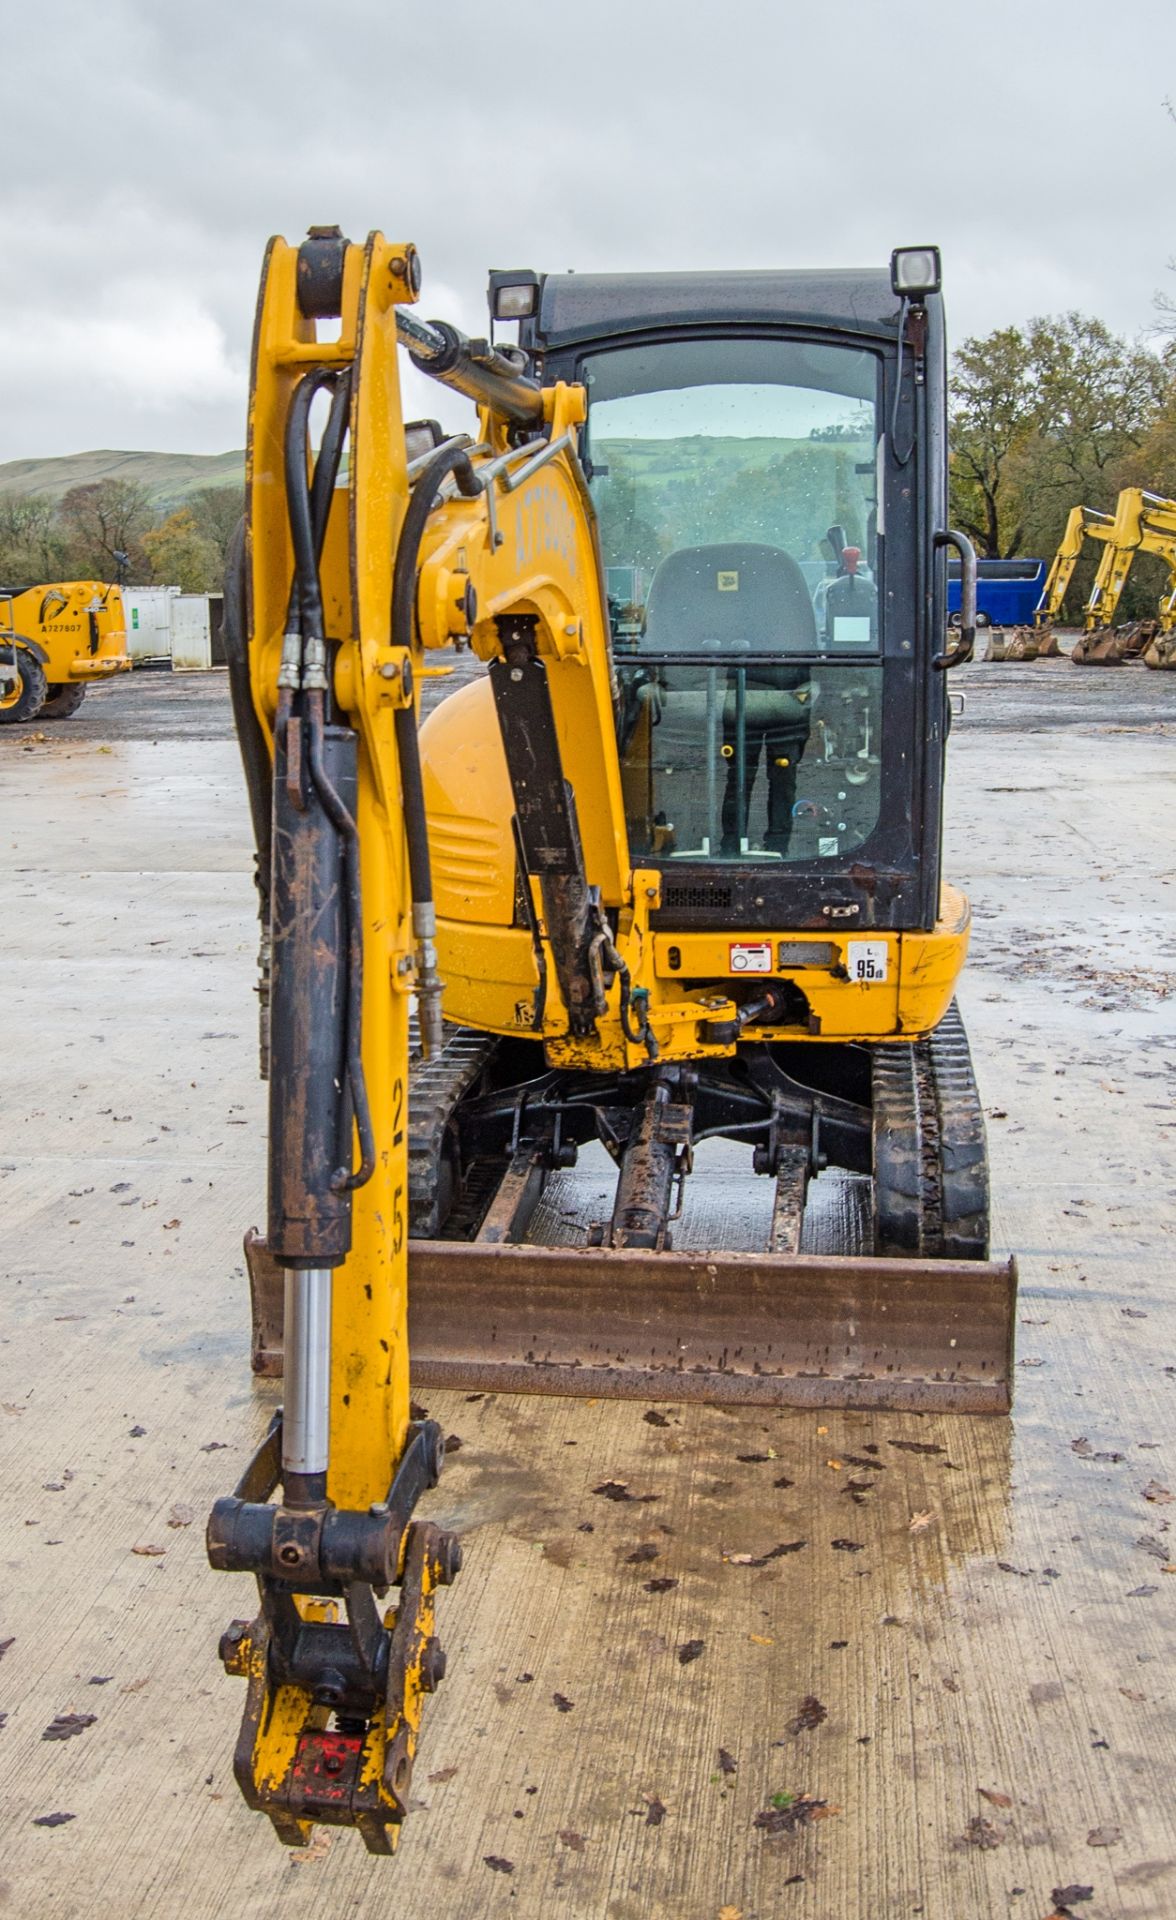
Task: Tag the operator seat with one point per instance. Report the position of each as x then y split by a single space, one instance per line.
735 598
733 604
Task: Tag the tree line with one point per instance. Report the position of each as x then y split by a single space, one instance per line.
1058 414
111 530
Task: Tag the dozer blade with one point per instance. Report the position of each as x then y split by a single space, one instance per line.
929 1336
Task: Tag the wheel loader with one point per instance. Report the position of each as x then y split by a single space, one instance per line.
54 641
661 880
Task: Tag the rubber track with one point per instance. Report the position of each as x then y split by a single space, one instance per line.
930 1158
435 1088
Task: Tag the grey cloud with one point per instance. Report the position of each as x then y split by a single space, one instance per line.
152 150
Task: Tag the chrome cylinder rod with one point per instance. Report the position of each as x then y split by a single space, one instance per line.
306 1416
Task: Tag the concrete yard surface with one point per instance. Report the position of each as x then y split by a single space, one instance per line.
804 1667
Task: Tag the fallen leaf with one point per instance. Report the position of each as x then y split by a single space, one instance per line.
453 1443
1151 1545
214 1446
727 1762
180 1515
169 1226
67 1725
754 1459
657 1811
1067 1896
619 1490
442 1774
1132 1693
562 1703
138 1433
810 1715
994 1798
5 1644
655 1419
918 1446
661 1585
835 1464
761 1640
1140 1593
136 1686
863 1460
54 1819
690 1650
149 1552
730 1913
1158 1495
849 1546
572 1839
1104 1836
783 1481
1085 1451
497 1864
981 1833
920 1522
642 1554
787 1813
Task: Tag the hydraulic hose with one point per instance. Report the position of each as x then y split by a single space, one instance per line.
455 461
344 1180
309 506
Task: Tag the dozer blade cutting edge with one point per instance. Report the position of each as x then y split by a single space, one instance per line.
929 1336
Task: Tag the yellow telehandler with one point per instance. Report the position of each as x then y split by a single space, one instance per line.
54 642
673 860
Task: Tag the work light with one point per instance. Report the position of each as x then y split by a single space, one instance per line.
514 295
915 272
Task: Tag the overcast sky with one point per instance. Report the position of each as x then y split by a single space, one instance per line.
150 148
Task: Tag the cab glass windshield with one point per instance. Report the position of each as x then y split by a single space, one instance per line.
735 484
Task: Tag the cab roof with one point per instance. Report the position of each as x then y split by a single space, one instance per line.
577 307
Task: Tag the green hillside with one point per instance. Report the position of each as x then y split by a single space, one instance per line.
167 477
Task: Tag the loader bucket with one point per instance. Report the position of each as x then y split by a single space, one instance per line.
930 1336
1161 652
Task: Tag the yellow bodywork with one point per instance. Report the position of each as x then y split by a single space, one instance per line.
489 964
76 629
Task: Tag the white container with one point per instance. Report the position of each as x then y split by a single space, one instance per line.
191 633
149 622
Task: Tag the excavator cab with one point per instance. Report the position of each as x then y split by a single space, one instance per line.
781 733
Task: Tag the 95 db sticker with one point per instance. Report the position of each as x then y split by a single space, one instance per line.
751 956
868 960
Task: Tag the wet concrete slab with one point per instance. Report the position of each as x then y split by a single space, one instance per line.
954 1636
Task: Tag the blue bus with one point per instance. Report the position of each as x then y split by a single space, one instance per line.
1007 591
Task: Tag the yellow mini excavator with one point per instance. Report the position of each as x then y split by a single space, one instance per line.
1039 641
1143 523
660 880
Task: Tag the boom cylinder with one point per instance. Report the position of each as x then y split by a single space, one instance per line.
472 367
310 1130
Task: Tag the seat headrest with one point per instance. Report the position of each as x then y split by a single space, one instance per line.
735 598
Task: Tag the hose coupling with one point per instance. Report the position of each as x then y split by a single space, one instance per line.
314 664
290 670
